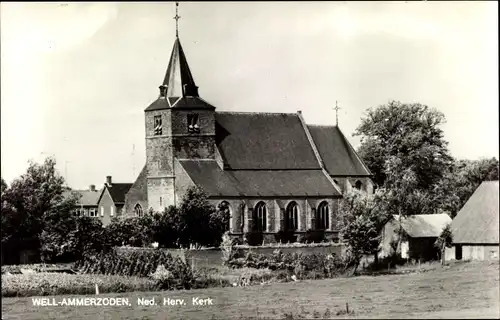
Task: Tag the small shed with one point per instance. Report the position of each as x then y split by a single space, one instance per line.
475 228
419 235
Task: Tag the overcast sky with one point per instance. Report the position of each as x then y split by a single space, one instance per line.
76 78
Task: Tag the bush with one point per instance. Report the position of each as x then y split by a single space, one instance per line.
305 266
285 236
132 231
227 248
254 238
42 284
313 236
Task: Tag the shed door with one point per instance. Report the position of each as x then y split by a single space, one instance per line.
458 252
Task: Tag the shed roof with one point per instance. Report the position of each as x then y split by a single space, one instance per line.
424 225
477 222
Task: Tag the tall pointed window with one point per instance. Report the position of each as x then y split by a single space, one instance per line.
138 210
292 217
261 217
158 126
323 216
225 208
193 126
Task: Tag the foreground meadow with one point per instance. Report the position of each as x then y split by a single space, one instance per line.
468 290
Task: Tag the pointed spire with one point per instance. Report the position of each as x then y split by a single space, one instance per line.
178 80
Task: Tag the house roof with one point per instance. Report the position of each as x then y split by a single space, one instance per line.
85 197
423 225
337 153
477 221
263 141
118 191
253 183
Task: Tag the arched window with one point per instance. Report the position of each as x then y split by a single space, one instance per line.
138 210
323 216
292 216
261 216
358 185
225 208
242 215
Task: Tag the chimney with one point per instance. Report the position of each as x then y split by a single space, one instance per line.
92 187
108 180
299 111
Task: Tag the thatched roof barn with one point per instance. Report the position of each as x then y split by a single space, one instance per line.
476 227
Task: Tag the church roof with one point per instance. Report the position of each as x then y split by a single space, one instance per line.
338 155
263 141
254 183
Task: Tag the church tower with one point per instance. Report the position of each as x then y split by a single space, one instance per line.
179 125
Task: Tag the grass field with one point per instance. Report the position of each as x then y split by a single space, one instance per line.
468 290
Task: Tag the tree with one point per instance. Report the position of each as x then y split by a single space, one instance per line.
201 221
67 237
169 225
361 222
408 132
37 192
404 147
195 222
7 212
461 180
444 241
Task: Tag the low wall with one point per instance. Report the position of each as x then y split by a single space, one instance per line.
211 257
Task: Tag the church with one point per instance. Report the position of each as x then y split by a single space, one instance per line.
273 171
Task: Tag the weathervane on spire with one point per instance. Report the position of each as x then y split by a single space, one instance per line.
177 17
337 108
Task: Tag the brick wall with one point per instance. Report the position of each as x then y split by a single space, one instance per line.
206 121
104 208
276 208
196 147
138 194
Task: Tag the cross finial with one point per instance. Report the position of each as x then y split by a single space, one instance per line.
337 108
177 17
